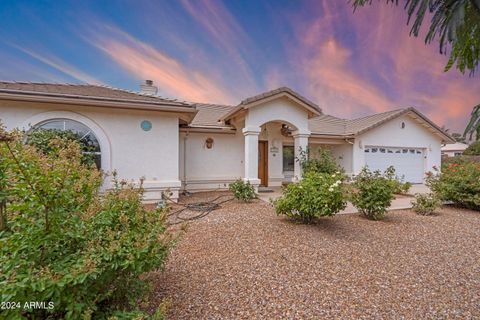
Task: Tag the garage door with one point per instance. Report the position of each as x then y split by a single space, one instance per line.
408 162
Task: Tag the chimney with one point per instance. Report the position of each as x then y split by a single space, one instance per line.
148 88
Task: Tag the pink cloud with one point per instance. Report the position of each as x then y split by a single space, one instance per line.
382 69
173 78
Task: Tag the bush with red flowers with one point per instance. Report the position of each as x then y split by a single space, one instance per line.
458 182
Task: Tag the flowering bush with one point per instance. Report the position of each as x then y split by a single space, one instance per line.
242 190
372 193
397 183
316 195
425 204
458 182
322 161
64 244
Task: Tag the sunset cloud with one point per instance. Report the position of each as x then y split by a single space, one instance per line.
59 65
352 64
173 78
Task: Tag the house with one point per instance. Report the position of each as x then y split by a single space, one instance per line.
454 149
178 145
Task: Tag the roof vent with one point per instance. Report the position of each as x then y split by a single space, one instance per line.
148 88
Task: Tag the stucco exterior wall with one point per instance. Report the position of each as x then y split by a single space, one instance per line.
134 153
391 134
214 168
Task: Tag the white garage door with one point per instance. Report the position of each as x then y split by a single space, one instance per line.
408 162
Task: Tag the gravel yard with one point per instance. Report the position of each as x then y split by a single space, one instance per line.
244 262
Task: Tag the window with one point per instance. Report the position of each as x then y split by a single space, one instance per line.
89 141
288 158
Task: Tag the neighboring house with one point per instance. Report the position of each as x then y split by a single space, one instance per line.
454 149
178 146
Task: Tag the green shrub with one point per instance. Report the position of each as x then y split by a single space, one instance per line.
373 193
316 195
458 182
65 244
399 187
242 190
40 138
425 204
473 149
322 161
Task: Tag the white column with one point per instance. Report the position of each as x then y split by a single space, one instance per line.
300 139
251 154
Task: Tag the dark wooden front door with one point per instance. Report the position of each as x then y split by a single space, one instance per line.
263 163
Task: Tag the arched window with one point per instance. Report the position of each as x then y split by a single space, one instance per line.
85 135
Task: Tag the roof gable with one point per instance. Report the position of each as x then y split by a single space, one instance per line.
332 126
312 108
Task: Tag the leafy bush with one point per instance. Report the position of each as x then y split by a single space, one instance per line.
458 182
373 193
399 187
242 190
425 204
473 149
316 195
65 244
41 138
322 161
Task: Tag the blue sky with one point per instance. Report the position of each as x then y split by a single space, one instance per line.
351 64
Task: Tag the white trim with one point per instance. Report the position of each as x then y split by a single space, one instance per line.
105 146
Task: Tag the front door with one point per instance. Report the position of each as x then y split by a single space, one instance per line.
263 163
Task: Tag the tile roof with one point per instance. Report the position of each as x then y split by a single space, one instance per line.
329 125
208 115
359 125
85 91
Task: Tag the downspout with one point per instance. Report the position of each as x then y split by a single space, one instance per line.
184 178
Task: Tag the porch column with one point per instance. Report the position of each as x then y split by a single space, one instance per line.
300 139
251 154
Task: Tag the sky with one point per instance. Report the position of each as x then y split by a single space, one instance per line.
350 64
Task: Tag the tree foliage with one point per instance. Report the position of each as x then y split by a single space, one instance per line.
473 126
473 149
455 23
65 244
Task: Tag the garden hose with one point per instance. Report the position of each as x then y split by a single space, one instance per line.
204 208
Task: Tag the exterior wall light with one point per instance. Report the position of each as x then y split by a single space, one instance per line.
209 143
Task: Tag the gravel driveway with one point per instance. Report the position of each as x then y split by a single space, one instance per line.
244 262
